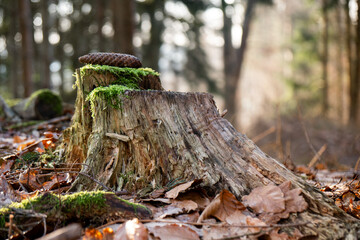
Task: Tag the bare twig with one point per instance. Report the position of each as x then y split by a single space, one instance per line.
11 218
93 179
305 131
317 156
210 224
357 165
264 134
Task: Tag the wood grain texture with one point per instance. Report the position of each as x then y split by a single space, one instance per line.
111 59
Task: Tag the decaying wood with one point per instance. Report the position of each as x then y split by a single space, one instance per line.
176 135
39 108
8 112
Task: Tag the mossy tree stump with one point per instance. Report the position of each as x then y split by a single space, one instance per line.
155 137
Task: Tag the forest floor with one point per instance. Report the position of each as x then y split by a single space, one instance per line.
325 155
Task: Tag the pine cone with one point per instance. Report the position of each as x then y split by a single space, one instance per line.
111 59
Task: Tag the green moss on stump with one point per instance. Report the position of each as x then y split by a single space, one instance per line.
127 79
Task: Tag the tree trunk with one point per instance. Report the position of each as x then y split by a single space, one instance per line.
13 52
234 58
151 51
340 64
325 56
100 16
123 23
45 45
159 136
349 54
355 82
27 45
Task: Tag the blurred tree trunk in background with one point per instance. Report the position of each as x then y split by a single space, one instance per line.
13 51
355 81
325 57
151 51
349 48
27 45
123 23
100 16
233 58
45 50
339 62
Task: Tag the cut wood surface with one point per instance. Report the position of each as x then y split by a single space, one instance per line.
173 135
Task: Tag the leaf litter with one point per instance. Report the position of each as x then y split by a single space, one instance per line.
185 211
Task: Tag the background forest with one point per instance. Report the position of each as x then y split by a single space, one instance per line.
270 63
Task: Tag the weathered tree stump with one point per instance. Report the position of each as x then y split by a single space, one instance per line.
155 137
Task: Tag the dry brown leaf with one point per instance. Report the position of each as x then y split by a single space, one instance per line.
274 234
294 202
177 207
108 233
6 166
174 232
28 178
188 217
131 230
222 206
197 196
92 234
57 181
268 199
173 193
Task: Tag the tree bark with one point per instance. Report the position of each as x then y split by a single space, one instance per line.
27 45
234 58
325 56
151 51
350 65
100 16
355 82
123 23
159 136
45 56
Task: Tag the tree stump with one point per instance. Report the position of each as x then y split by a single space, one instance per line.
155 137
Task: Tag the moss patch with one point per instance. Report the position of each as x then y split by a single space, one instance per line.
127 79
111 94
48 103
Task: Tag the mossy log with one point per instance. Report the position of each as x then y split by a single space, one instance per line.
84 207
42 104
156 137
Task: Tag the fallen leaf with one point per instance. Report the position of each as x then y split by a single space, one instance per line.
268 199
23 145
197 196
18 139
92 234
177 207
6 166
174 232
108 233
173 193
57 181
28 179
223 205
39 150
188 217
131 230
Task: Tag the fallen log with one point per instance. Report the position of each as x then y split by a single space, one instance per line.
42 104
135 139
